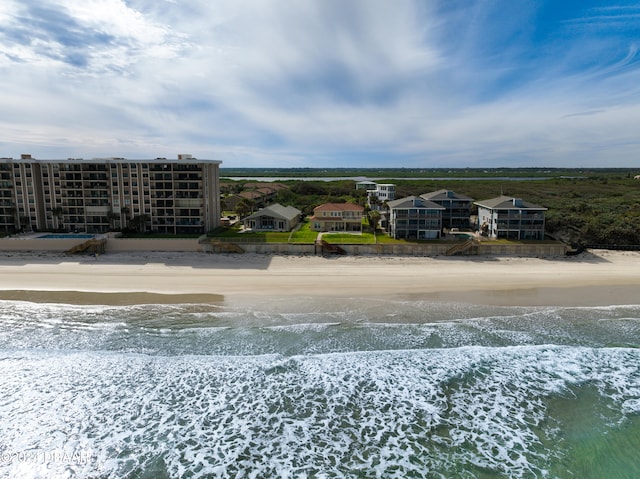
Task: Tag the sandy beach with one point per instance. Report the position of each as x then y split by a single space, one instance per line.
594 278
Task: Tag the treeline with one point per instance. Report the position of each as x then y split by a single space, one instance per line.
409 173
306 195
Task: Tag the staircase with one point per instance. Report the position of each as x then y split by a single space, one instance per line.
218 246
331 248
461 247
92 245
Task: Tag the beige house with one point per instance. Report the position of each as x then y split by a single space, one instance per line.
337 217
273 218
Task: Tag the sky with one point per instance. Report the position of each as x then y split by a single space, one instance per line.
324 83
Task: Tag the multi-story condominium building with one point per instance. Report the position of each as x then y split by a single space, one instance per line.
511 218
164 195
337 217
457 207
414 217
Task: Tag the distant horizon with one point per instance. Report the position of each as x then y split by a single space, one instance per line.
317 168
323 83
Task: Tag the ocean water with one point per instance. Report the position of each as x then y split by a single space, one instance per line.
319 388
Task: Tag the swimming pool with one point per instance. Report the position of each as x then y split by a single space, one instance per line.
66 236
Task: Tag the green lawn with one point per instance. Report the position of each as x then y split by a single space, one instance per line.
344 238
303 235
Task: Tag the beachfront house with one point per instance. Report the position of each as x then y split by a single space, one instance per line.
377 194
337 217
414 217
383 193
510 218
273 218
366 185
457 208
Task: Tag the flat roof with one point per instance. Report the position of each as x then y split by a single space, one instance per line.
109 160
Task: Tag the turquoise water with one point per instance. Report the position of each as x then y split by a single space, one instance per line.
319 388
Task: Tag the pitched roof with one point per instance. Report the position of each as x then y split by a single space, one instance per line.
445 195
250 195
509 203
277 211
271 186
413 202
338 207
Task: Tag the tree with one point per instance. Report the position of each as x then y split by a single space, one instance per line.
124 215
244 207
112 216
374 219
58 215
139 223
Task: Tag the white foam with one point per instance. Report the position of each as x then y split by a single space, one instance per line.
379 414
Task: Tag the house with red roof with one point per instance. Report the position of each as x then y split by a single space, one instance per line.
337 217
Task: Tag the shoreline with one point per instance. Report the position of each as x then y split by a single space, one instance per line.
591 279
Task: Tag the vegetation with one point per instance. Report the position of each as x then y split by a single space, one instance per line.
346 238
590 207
302 235
423 173
595 210
306 195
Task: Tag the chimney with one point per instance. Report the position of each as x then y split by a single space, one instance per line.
25 156
184 156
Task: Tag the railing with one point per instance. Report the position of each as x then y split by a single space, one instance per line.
460 247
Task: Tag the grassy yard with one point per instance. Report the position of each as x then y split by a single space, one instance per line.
344 238
302 235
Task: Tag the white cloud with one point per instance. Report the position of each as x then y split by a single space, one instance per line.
270 81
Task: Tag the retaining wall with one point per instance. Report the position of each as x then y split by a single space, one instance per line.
429 249
114 245
57 245
121 245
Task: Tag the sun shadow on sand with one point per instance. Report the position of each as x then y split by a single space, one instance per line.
111 299
585 257
186 259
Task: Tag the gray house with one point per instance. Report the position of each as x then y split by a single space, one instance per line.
414 218
457 211
273 218
511 218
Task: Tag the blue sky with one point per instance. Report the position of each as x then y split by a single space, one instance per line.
329 83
